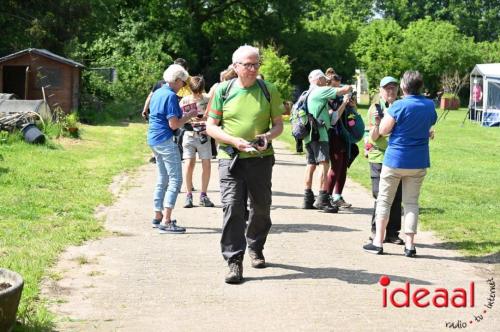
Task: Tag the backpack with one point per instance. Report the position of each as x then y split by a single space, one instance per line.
301 120
352 126
352 130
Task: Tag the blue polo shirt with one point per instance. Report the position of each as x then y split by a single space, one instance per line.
409 141
164 105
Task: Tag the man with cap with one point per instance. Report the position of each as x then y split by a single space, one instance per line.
375 146
317 146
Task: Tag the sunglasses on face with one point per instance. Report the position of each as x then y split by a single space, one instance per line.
250 65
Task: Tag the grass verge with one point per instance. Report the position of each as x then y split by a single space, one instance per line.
459 198
48 194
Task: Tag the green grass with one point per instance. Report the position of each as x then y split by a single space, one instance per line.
461 193
48 195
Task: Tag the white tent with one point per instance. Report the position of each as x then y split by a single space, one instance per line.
484 100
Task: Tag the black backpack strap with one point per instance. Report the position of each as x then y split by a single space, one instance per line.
264 89
225 93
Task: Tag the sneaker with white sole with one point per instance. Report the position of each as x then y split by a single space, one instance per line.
189 202
341 203
155 223
373 249
171 228
206 202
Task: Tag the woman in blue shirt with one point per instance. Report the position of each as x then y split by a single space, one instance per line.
166 116
406 159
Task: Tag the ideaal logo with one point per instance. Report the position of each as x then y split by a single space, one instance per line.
439 298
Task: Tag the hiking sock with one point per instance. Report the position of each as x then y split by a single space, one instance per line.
189 194
203 194
336 197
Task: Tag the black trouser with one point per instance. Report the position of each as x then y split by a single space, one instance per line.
394 225
298 145
250 176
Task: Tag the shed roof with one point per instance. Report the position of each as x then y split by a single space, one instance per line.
487 69
44 53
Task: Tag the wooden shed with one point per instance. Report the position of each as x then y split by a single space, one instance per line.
39 74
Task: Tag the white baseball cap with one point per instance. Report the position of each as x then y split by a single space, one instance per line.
316 74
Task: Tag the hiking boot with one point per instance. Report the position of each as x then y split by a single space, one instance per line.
410 252
323 203
341 203
235 274
372 249
308 200
206 202
189 202
171 228
257 258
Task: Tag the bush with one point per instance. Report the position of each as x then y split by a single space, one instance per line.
276 69
138 59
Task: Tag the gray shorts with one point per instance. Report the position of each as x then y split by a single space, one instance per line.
317 152
191 144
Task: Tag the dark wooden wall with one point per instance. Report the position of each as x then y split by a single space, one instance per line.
62 81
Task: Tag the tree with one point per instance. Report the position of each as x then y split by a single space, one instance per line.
277 70
353 10
206 33
489 51
138 60
53 24
378 50
322 42
475 18
436 48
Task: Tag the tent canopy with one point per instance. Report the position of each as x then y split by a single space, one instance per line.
485 93
487 69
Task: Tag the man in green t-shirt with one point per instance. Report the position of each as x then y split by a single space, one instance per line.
317 148
376 145
244 121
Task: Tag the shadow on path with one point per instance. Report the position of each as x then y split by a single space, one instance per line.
281 193
286 163
281 228
488 259
350 276
304 228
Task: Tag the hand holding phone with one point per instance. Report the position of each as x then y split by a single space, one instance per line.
260 142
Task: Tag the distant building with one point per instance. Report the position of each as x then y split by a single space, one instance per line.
363 95
32 73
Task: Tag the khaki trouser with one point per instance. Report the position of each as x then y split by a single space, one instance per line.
412 180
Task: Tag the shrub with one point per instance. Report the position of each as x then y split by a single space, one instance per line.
276 69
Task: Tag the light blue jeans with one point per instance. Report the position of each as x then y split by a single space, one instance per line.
168 185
